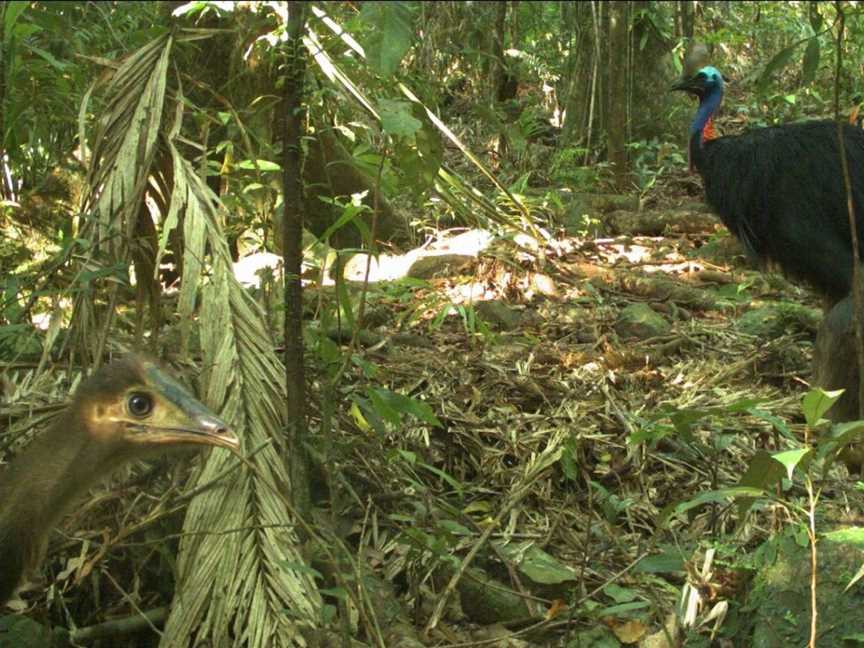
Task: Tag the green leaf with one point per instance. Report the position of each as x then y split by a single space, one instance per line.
391 34
816 402
621 610
454 483
369 369
455 528
60 66
397 120
328 350
776 64
709 497
536 564
668 562
300 568
13 11
569 463
348 215
848 535
259 165
345 306
841 436
762 472
407 405
407 455
811 61
775 421
620 594
383 408
336 592
791 458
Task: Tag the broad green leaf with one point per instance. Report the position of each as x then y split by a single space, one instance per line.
847 535
775 421
776 64
536 564
569 464
455 528
620 594
791 458
407 405
454 483
13 10
397 120
762 472
345 306
811 61
60 66
709 497
667 562
816 402
348 215
383 408
410 457
359 420
391 35
258 165
621 610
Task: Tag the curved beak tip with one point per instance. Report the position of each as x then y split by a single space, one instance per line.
214 431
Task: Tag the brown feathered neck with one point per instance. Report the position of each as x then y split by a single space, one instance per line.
126 410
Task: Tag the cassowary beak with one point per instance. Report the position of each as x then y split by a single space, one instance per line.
694 85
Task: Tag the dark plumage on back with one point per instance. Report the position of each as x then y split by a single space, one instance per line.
780 189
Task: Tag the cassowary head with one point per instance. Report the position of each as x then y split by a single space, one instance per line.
707 86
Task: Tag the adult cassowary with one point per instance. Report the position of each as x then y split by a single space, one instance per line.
780 189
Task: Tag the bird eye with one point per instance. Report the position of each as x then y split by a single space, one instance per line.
139 404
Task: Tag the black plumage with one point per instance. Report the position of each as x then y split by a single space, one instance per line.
780 189
781 192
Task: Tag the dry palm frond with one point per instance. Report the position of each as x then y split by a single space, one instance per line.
124 148
237 581
238 569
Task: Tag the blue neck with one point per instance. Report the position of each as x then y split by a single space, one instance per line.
707 106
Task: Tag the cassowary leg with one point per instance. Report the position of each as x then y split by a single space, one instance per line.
835 366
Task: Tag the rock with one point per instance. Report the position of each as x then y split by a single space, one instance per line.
444 257
721 250
835 366
766 323
248 270
442 264
498 314
776 319
642 322
544 285
779 600
834 360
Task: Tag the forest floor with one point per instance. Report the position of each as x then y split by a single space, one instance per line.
573 421
580 389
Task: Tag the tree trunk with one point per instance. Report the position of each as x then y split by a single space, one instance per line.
577 17
686 16
292 250
617 94
655 72
603 87
497 71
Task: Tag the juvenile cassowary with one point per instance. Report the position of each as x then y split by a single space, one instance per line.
780 191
